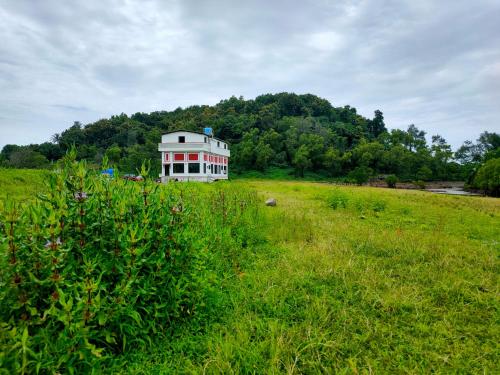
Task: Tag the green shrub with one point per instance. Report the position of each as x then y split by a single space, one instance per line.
488 177
424 174
391 181
378 205
420 184
337 199
360 175
99 265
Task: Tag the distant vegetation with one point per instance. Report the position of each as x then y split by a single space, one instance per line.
302 132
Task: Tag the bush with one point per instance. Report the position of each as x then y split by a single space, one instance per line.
488 177
424 174
378 205
360 175
420 184
99 265
337 199
391 181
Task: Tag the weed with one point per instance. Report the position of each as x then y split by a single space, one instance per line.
96 265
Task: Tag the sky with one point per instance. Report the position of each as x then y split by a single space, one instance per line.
435 64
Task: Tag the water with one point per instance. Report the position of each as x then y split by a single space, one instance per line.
451 191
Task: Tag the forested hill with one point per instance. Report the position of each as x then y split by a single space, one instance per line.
302 132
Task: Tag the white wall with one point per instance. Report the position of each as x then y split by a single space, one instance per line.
190 137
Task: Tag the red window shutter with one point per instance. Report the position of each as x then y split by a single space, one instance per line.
205 157
178 157
166 156
193 157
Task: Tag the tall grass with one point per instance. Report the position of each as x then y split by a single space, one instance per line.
349 280
22 184
96 266
386 282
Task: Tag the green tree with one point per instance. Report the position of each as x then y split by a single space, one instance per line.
27 158
332 162
361 175
377 125
264 155
301 160
488 177
424 174
442 154
114 154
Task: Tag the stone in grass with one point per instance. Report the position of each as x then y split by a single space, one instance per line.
271 202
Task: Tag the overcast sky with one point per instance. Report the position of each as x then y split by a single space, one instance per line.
432 63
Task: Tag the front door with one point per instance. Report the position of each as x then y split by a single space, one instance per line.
167 169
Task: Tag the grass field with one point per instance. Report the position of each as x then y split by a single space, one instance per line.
351 280
396 281
21 184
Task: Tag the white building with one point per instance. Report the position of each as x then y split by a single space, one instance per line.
191 156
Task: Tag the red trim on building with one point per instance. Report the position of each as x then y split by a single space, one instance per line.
193 157
205 157
179 157
166 156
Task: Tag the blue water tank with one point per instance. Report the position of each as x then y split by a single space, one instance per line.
208 131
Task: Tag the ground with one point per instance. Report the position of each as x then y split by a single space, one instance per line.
349 280
395 281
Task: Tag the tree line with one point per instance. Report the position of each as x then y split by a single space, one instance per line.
303 133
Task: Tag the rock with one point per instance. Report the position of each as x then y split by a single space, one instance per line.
271 202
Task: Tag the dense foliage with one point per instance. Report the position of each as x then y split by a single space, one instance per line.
96 265
303 132
488 177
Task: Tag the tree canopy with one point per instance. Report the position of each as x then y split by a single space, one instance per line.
302 132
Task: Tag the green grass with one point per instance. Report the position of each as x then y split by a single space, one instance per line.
351 280
396 281
281 174
21 184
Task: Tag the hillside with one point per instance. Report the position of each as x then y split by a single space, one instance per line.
304 133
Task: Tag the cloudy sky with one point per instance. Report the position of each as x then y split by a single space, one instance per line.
432 63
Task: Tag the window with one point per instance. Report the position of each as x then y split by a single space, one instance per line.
218 144
193 157
178 157
205 140
204 167
225 146
182 139
194 168
178 167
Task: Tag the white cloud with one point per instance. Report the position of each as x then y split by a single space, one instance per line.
432 64
326 41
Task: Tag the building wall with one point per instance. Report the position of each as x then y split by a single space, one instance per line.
199 158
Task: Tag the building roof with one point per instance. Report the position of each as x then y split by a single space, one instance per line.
191 131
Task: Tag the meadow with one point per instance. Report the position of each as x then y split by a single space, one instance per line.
346 280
